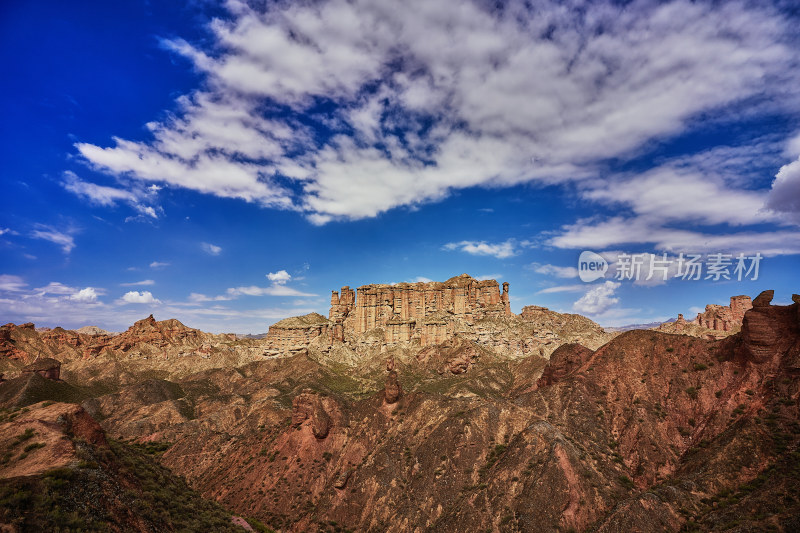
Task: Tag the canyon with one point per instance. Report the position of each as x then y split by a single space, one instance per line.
366 420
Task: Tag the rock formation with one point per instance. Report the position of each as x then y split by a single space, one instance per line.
381 317
408 311
46 367
309 406
392 389
296 333
725 317
716 322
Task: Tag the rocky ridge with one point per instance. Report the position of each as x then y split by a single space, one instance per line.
649 431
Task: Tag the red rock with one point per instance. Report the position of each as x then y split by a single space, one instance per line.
564 362
392 390
308 405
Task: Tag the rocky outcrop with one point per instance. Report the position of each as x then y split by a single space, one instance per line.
454 356
564 362
309 406
392 389
47 426
725 317
47 367
408 311
157 334
770 332
295 334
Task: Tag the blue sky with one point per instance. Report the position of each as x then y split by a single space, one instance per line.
230 164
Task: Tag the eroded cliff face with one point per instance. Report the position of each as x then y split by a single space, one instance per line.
379 318
408 311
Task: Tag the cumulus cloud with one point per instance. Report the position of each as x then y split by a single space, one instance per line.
210 249
136 297
597 299
64 239
784 197
501 250
428 97
279 277
84 295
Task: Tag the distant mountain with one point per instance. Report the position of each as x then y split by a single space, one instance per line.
630 327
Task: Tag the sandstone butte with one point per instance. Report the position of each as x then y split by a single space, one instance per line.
366 420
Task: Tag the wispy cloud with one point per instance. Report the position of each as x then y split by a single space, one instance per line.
9 282
500 250
555 270
144 282
562 288
159 264
62 238
210 249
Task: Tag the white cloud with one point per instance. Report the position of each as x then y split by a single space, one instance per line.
784 197
600 234
210 249
107 196
7 231
274 290
501 250
555 270
159 264
135 297
84 295
279 277
55 287
64 239
138 283
9 282
429 97
562 288
668 194
598 299
421 279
